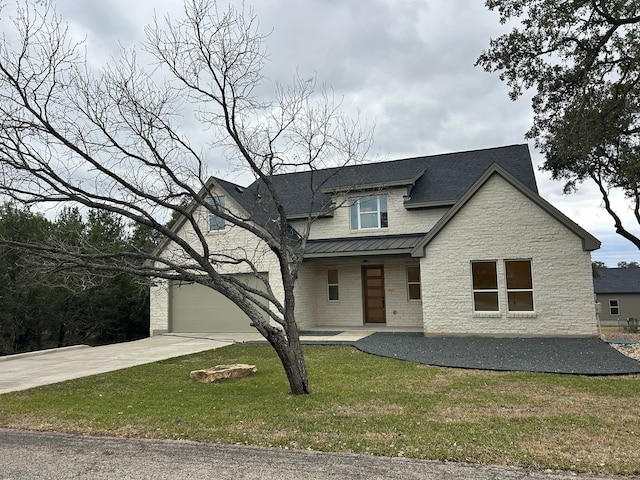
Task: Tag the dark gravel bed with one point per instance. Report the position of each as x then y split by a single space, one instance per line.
580 356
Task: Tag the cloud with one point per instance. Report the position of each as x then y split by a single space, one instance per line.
408 65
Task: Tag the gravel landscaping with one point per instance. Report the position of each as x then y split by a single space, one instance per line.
579 356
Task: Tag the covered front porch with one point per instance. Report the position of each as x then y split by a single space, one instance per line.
367 294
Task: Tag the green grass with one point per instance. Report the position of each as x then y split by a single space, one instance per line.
359 403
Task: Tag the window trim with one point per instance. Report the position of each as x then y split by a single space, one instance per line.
485 290
409 283
516 290
381 215
334 285
616 306
217 201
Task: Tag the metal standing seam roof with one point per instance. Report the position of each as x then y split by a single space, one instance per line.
617 280
385 244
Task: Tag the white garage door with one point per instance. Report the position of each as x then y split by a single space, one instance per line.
198 309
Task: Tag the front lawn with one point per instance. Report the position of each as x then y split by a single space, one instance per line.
359 403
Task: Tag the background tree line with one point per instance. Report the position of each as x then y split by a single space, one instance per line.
46 306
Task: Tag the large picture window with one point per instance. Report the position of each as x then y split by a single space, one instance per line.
368 212
216 223
485 286
519 285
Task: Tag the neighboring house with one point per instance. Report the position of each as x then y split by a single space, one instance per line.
618 293
453 244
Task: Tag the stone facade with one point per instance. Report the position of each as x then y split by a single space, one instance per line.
159 307
500 223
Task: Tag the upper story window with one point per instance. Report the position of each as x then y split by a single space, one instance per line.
368 212
216 223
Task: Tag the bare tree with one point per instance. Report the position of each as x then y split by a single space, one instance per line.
114 140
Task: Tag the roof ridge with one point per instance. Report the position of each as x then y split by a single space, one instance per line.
406 159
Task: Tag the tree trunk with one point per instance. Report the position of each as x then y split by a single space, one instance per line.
61 333
287 346
289 351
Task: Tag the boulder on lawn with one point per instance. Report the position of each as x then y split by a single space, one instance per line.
222 372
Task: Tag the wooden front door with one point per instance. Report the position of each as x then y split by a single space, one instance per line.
374 302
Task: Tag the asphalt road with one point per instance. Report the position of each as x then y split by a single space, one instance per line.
53 456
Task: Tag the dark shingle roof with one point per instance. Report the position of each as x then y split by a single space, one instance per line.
432 180
617 280
437 179
449 176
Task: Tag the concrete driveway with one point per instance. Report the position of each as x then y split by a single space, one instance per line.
34 369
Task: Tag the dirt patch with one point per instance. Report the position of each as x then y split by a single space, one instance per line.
522 400
368 410
574 448
630 349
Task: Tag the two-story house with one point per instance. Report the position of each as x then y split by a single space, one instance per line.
453 244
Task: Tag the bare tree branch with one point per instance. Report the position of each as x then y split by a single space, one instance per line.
114 141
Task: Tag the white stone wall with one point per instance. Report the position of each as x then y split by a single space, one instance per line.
401 220
305 297
401 312
233 241
500 223
348 311
159 307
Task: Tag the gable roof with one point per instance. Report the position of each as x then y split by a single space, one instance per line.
617 280
589 242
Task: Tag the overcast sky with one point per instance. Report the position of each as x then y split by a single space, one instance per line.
407 65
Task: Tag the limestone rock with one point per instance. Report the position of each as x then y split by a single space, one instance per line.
222 372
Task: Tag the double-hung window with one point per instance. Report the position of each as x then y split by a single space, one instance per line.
333 290
413 282
368 212
485 286
215 222
519 285
614 307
